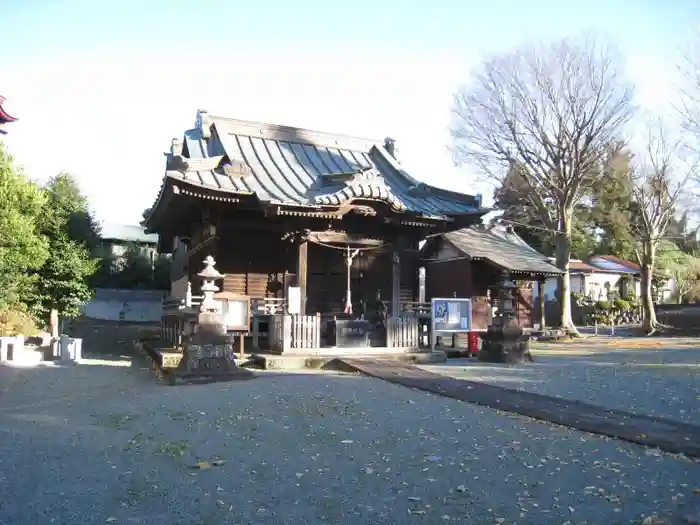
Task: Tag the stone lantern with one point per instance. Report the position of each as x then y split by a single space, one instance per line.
209 275
504 341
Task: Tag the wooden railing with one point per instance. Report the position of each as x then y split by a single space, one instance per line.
190 301
415 308
287 332
268 306
402 332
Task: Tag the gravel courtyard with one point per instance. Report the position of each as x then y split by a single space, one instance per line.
105 444
660 381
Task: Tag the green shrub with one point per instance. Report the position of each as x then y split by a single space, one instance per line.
17 322
620 305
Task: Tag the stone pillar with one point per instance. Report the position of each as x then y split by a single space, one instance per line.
395 283
541 305
302 272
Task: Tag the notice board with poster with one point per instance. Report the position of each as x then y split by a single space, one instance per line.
449 315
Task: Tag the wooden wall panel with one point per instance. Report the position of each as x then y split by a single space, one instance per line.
255 262
445 279
525 306
480 312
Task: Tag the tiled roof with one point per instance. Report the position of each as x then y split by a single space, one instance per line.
622 264
580 266
503 248
126 233
296 167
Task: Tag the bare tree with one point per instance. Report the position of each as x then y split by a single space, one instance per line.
659 180
552 111
689 90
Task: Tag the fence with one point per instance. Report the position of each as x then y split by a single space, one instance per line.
684 318
288 332
402 332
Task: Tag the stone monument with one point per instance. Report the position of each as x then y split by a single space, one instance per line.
504 341
208 352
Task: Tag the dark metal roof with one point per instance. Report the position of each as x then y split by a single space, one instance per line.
501 247
296 167
126 233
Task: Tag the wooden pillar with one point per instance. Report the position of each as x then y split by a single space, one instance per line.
395 282
540 296
302 272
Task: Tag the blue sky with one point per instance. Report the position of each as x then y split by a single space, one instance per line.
101 87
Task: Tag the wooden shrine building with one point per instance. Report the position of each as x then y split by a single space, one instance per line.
307 224
470 262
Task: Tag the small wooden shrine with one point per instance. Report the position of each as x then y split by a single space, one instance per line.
472 262
5 117
320 230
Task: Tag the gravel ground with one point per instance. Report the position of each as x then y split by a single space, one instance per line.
95 444
664 382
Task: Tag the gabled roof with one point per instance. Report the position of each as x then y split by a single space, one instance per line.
302 168
126 233
576 266
501 247
611 263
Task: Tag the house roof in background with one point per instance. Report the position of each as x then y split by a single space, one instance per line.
127 233
579 266
295 167
614 264
502 247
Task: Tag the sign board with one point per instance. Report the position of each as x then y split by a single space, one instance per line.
350 333
235 310
450 315
294 300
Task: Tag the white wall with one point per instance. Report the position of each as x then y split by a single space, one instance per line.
551 284
126 305
592 285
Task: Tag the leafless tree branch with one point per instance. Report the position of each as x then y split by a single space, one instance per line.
689 90
550 111
660 177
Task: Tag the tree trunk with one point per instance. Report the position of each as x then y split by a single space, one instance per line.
649 323
563 258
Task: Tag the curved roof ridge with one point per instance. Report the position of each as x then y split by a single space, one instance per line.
254 128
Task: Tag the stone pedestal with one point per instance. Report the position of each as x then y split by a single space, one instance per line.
70 350
504 342
208 352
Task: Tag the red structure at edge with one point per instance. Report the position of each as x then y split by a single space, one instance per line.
4 116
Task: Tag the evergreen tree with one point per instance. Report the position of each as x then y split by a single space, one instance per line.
22 248
612 205
72 233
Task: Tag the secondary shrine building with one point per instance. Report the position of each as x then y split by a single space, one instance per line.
471 261
333 218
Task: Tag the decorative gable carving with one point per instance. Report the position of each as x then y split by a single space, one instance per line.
183 165
364 176
237 169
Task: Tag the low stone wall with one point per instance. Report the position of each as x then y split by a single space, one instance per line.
684 318
125 305
16 350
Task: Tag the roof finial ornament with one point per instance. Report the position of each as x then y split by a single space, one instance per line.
176 147
390 146
203 123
